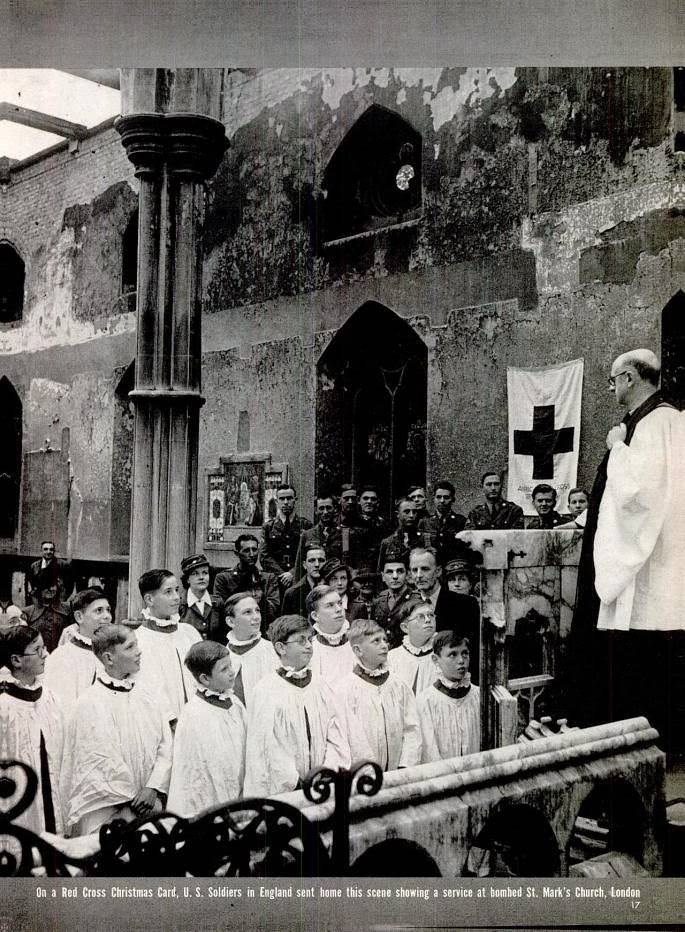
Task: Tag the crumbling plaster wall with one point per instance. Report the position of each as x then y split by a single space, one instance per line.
65 214
532 183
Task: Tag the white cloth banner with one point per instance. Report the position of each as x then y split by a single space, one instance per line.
544 431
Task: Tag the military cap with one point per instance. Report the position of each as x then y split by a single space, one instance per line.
188 564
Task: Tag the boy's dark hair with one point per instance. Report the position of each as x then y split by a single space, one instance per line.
152 581
444 639
202 657
286 485
577 490
108 636
85 597
368 488
15 640
282 628
543 487
363 628
490 472
445 484
232 601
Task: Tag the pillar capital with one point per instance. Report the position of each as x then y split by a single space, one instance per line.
190 143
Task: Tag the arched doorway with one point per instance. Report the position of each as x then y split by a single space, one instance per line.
673 350
372 404
10 457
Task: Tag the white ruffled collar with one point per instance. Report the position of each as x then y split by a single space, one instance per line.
108 680
77 636
456 684
333 638
160 622
212 693
427 648
232 639
379 671
8 677
291 674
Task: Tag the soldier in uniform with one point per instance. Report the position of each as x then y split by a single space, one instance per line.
369 519
495 514
278 551
248 577
445 524
544 499
197 607
396 593
406 537
48 615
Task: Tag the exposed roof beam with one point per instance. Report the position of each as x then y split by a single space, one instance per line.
107 76
43 121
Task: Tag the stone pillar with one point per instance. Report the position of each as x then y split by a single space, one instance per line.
171 130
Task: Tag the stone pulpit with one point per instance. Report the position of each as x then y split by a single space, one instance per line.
527 593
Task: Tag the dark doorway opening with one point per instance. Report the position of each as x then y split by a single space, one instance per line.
10 457
673 351
372 405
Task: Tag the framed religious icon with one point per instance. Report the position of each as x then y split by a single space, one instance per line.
241 494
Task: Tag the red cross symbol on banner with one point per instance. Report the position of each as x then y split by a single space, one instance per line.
543 441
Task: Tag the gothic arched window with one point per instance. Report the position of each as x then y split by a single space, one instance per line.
11 284
374 176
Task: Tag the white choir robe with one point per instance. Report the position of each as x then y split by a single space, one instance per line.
291 729
380 721
251 666
208 766
23 721
640 539
69 671
450 725
117 743
332 663
417 671
162 671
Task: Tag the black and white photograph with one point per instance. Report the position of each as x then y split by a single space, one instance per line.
342 527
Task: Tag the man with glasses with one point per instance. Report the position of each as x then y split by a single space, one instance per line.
630 586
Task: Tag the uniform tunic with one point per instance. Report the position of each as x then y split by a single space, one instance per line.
162 671
504 515
292 728
413 665
450 721
32 731
380 719
209 754
118 742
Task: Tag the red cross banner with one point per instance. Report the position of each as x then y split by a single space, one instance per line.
544 430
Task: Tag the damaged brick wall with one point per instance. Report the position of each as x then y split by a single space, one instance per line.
65 214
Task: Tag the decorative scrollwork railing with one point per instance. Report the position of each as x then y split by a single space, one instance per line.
244 838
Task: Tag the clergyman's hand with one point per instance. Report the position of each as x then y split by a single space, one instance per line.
616 435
